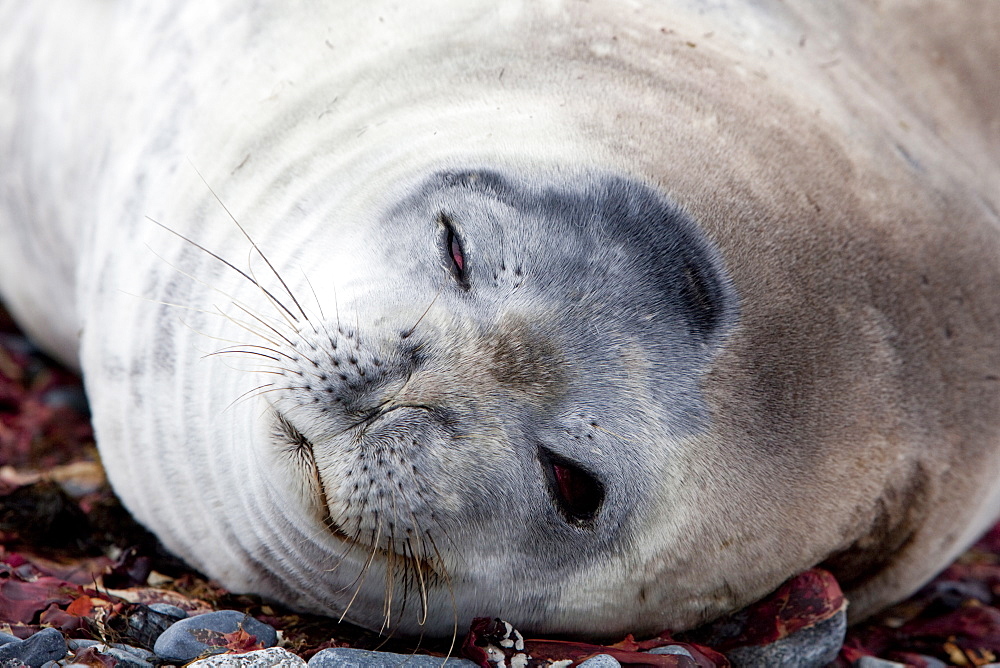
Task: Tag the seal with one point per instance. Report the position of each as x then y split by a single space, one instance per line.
603 319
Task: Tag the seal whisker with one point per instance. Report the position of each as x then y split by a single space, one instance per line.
418 534
410 331
259 319
160 302
418 571
234 401
246 327
360 581
451 591
625 439
275 351
292 324
319 305
390 579
263 392
230 342
255 247
240 352
229 264
214 288
406 577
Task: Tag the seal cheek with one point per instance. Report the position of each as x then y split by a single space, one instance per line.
525 361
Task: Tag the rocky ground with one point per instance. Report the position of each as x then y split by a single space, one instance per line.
81 583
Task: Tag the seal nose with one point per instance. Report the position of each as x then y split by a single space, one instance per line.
337 379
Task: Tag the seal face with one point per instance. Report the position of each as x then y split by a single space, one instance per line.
538 295
603 321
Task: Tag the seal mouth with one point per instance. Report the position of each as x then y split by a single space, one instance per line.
302 449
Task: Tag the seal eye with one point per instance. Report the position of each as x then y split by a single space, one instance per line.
578 495
456 252
453 250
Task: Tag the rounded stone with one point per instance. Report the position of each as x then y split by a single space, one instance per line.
203 635
42 647
811 647
169 610
601 661
273 657
344 657
875 662
673 650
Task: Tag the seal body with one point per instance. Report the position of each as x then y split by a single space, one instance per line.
601 317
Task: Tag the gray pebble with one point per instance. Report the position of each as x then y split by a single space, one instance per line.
146 623
600 661
50 664
126 655
931 662
275 657
178 644
168 610
125 659
143 654
343 657
674 650
872 662
46 645
69 396
811 647
6 638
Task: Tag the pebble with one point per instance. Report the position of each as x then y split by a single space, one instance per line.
675 650
600 661
811 647
872 662
274 657
178 643
168 610
136 651
46 645
68 396
76 644
343 657
931 662
147 623
124 659
126 655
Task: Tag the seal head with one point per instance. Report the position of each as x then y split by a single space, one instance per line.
563 324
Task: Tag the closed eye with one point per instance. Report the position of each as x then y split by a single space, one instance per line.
453 251
577 494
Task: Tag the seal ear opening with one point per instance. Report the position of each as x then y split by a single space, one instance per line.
576 493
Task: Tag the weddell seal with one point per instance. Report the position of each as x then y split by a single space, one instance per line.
601 318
